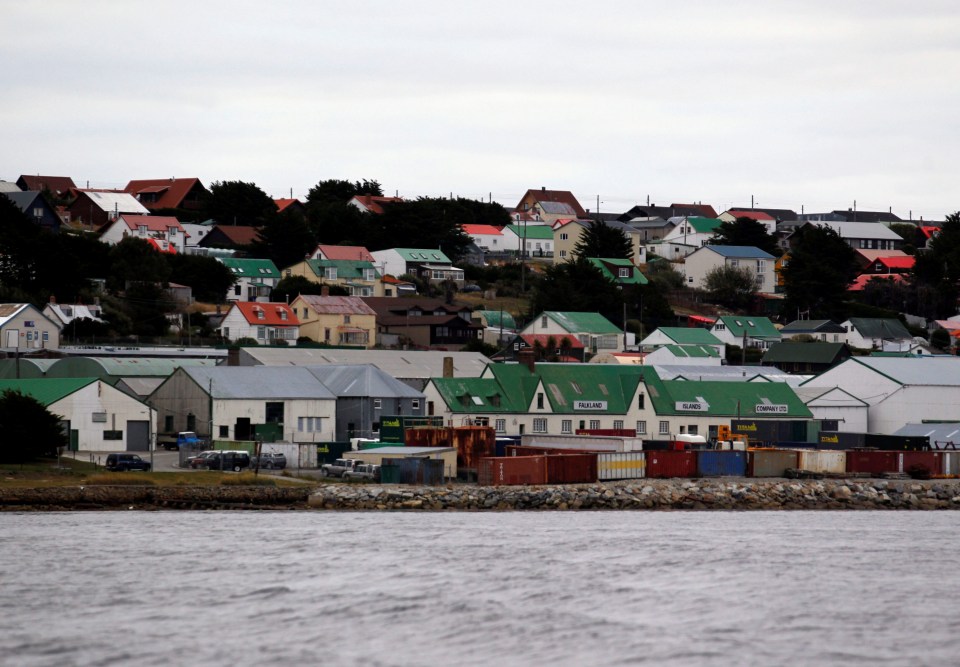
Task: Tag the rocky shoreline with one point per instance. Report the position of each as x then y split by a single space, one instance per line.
673 494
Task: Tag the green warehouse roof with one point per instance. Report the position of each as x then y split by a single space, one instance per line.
113 368
726 399
690 335
46 390
573 322
29 368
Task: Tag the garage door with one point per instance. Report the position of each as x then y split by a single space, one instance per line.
138 436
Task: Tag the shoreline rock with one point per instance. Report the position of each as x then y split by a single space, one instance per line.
740 494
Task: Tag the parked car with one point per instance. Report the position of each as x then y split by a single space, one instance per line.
471 288
122 462
200 460
365 471
269 460
235 460
339 467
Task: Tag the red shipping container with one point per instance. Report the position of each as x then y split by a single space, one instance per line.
512 470
924 463
873 462
671 464
522 450
572 469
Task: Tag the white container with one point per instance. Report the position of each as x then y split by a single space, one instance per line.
813 460
621 465
597 443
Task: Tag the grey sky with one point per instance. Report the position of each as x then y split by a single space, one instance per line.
811 103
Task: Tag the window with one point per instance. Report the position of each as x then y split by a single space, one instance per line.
261 333
664 428
283 314
624 272
618 424
563 253
640 402
168 424
224 431
226 332
540 425
594 424
566 426
543 321
641 427
113 435
415 404
236 289
761 266
501 425
540 400
692 429
46 336
346 319
260 314
191 422
564 236
443 332
376 404
330 273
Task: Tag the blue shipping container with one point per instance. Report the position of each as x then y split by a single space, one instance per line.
714 463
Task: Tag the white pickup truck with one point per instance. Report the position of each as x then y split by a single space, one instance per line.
339 467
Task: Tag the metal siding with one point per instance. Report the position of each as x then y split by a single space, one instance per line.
872 462
770 462
713 463
513 471
951 463
822 461
660 464
571 469
621 465
931 462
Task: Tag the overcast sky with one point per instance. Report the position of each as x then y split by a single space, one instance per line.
811 104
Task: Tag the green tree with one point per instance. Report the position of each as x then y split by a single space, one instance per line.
908 232
239 203
940 339
746 232
208 278
730 286
427 222
335 191
818 272
285 239
662 274
30 430
600 240
578 286
938 267
135 260
290 288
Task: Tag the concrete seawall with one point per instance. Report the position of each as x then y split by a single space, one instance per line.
674 494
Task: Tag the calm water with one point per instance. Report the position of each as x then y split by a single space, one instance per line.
308 588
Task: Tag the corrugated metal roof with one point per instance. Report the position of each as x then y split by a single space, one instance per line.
28 367
422 255
946 432
141 387
875 327
335 305
739 251
727 373
401 364
575 322
121 202
755 327
815 352
861 230
690 335
726 399
106 367
942 371
251 268
533 232
361 381
259 382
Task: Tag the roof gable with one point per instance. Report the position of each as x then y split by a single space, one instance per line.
46 390
754 327
354 252
575 322
164 192
690 335
875 327
738 251
267 314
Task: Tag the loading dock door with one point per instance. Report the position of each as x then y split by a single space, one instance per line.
13 338
138 436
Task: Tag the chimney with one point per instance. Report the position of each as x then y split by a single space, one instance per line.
53 299
543 189
233 356
526 358
324 291
448 367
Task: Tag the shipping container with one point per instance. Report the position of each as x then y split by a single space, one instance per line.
474 443
328 452
713 463
823 461
390 471
847 441
392 427
872 461
770 431
921 464
613 432
502 443
513 470
951 463
521 450
431 472
770 462
572 469
621 465
665 463
428 436
595 443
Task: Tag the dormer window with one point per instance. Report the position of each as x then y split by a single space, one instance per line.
330 273
283 314
260 314
624 272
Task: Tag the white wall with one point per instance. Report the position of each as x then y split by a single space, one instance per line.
16 334
100 397
226 412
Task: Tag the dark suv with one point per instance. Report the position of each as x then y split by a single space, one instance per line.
121 462
270 460
227 460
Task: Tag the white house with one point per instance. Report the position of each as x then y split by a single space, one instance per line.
263 322
596 332
898 390
759 263
97 416
487 237
689 234
24 327
163 232
254 279
682 336
878 333
428 264
756 331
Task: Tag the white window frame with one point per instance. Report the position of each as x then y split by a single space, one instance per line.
540 425
641 427
664 428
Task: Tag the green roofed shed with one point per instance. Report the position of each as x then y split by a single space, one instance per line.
46 390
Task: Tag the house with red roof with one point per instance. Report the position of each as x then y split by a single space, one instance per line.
265 322
486 237
757 216
58 185
551 205
925 234
373 203
342 252
546 347
165 233
232 237
887 265
291 205
186 194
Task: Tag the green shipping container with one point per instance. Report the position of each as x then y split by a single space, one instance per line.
390 471
392 427
328 452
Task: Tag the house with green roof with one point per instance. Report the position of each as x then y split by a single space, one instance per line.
498 325
690 234
564 398
809 358
619 270
98 416
427 264
595 331
682 336
684 355
536 239
359 277
737 329
254 278
878 333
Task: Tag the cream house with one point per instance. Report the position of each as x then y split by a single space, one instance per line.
336 320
